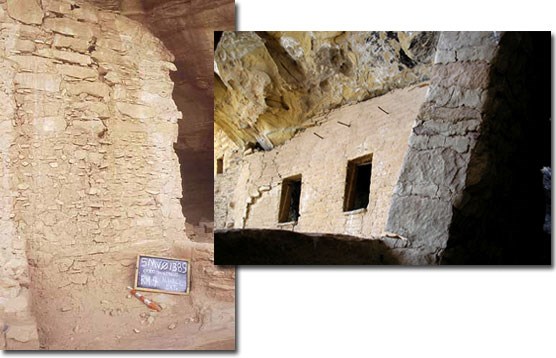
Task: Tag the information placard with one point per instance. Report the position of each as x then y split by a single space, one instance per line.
162 274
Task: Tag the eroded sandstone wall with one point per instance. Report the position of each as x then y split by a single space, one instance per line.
269 83
89 177
321 154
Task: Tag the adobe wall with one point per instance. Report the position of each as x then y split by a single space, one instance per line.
88 174
320 154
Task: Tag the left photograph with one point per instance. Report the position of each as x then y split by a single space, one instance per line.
106 176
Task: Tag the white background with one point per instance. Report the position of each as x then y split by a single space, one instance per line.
395 312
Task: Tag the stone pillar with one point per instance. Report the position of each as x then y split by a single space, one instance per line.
435 170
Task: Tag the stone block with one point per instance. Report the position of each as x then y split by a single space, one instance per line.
432 127
100 109
38 81
79 278
115 44
78 72
76 44
135 110
56 6
26 11
19 304
436 141
22 336
425 221
33 63
112 78
437 166
454 96
478 38
92 126
448 40
70 27
85 13
20 46
8 110
97 89
66 56
477 53
470 75
449 115
107 56
419 141
459 143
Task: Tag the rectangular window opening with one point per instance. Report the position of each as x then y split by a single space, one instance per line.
220 165
289 199
358 183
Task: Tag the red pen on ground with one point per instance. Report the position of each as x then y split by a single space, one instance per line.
151 304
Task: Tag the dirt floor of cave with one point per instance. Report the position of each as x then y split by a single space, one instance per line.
109 318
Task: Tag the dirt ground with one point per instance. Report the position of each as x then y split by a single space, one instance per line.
100 314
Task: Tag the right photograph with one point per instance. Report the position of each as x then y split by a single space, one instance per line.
382 148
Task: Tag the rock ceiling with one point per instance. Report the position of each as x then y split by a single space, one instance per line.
268 85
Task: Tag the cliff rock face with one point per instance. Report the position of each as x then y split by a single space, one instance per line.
268 84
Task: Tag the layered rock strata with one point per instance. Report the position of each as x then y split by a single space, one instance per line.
268 84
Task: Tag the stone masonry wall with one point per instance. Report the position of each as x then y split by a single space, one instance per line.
225 182
17 324
88 175
435 170
321 154
504 172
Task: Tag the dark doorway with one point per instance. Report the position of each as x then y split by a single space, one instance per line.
289 200
358 183
219 165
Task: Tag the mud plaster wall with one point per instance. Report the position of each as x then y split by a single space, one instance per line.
88 174
323 164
